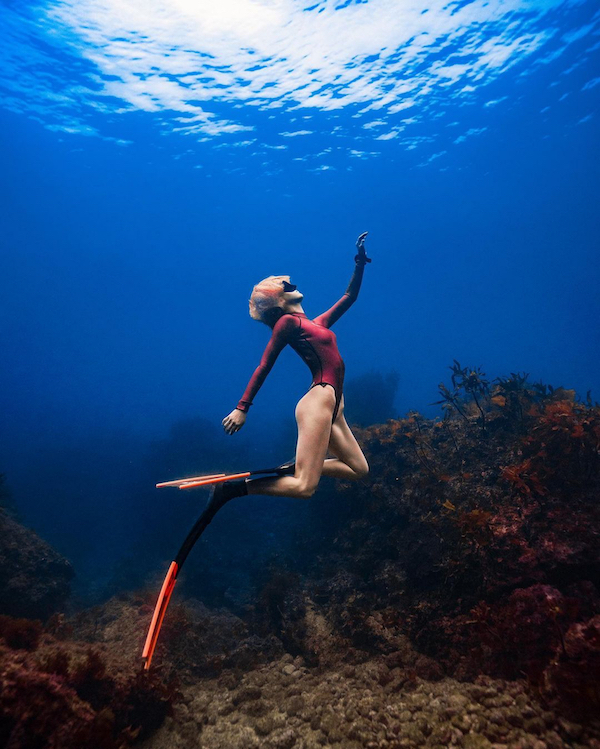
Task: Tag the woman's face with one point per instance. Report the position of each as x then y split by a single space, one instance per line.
290 297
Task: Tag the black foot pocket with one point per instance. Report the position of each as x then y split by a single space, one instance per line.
222 493
286 469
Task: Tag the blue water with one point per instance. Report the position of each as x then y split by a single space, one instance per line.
159 159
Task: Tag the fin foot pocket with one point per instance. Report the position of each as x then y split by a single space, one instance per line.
222 493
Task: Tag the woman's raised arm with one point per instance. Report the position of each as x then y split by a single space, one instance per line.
334 313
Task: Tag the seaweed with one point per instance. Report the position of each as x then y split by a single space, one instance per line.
54 697
469 385
20 634
496 538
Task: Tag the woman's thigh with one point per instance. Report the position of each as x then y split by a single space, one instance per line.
313 414
343 444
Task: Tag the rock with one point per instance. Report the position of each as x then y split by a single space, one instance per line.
244 694
441 734
256 707
226 708
189 732
360 730
463 722
553 740
534 725
571 730
496 717
263 726
35 580
331 724
413 734
282 739
514 717
476 741
295 705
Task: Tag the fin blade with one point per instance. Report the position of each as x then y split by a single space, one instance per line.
178 482
216 480
159 614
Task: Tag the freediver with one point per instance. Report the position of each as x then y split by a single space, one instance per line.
322 427
319 414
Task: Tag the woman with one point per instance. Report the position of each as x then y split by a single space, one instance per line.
320 412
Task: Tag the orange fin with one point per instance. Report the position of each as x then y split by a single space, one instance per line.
214 480
159 614
178 482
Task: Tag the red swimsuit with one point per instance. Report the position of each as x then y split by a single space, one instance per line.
313 341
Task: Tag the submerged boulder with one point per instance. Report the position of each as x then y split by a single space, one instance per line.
34 578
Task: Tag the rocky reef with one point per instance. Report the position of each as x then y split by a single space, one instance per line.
57 689
452 601
61 693
34 578
219 686
375 705
477 537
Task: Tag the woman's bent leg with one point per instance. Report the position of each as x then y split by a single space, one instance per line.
313 414
351 462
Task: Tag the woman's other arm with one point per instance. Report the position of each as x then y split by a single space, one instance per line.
282 331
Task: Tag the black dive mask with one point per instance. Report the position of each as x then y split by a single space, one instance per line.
289 286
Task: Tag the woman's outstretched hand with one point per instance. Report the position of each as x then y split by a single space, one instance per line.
361 257
234 421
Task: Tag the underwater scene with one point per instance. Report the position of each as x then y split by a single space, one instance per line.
300 419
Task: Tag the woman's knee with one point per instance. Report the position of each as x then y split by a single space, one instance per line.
306 489
362 470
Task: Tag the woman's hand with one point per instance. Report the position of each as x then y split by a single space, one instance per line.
361 257
234 421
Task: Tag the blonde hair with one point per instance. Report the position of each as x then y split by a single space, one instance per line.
265 296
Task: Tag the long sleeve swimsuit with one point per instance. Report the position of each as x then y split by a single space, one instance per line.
315 343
